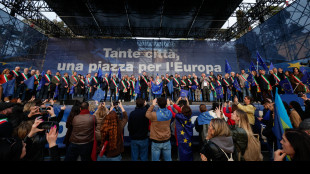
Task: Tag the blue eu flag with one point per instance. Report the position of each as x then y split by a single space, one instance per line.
286 86
227 67
236 85
184 130
110 74
8 88
183 93
157 89
56 92
29 83
42 81
170 86
252 67
99 94
119 74
261 62
137 87
100 74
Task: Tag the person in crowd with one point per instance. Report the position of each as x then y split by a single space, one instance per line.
160 129
138 128
218 145
305 126
82 136
204 118
112 143
183 130
75 110
249 108
295 114
101 112
248 146
231 110
295 144
16 149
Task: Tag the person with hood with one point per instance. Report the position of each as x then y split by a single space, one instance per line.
249 108
160 132
218 145
204 118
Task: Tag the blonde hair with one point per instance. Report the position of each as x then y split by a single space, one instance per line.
28 105
244 122
101 112
220 127
23 129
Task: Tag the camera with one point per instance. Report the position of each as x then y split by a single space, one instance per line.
115 103
48 124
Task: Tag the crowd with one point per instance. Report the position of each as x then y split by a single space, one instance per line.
208 88
226 131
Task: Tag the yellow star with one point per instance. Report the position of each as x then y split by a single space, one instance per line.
182 132
293 65
190 144
185 140
185 122
182 125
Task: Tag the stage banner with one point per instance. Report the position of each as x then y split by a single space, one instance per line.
133 56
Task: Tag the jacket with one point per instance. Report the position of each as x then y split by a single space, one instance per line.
212 148
249 109
159 130
240 139
138 124
202 82
82 128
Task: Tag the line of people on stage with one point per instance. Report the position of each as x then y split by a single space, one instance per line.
205 88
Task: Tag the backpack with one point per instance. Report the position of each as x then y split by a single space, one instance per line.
253 150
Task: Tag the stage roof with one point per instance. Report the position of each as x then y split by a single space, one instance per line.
144 18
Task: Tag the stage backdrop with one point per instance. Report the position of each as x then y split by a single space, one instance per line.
133 56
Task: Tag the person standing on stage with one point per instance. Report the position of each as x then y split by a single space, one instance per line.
190 83
127 94
176 87
4 77
64 87
55 82
166 92
113 87
265 85
74 81
144 85
231 81
244 84
22 88
94 85
105 85
184 83
45 89
122 89
226 85
296 82
205 86
87 87
81 87
133 82
197 91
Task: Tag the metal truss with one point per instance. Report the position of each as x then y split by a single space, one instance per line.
249 14
31 11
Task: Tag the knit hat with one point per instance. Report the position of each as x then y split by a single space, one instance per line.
4 106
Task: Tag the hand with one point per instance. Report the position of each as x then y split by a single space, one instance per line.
52 101
63 107
46 100
51 111
51 136
34 110
168 102
121 106
203 157
34 128
279 155
19 100
154 102
218 112
259 118
304 97
236 99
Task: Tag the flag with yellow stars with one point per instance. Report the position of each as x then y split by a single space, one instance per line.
184 128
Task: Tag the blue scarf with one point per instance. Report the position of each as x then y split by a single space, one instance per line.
163 114
204 118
